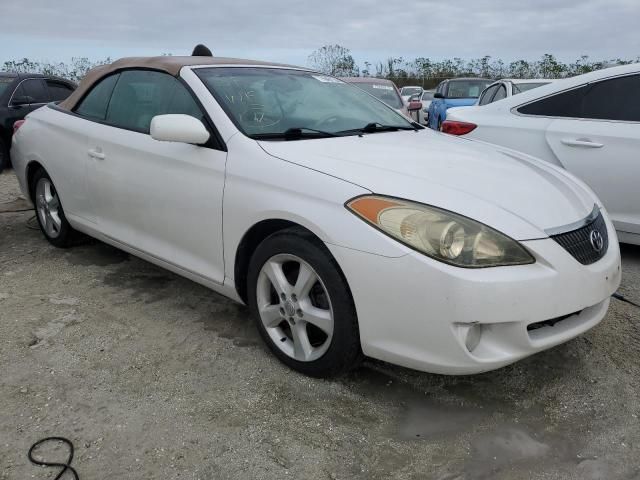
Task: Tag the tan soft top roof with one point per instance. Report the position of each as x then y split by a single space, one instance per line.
168 63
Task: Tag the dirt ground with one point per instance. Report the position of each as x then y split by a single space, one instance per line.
152 376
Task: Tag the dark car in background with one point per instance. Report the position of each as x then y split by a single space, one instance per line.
22 93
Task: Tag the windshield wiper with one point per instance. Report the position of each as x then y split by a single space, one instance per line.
295 133
375 127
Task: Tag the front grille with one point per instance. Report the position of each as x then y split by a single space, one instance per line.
582 243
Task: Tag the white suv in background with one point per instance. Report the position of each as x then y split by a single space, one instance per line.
509 87
589 124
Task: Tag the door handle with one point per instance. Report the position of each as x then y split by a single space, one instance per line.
96 153
581 142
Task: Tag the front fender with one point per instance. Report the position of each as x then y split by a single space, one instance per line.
262 187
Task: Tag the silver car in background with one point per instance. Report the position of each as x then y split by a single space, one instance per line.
409 91
382 89
508 87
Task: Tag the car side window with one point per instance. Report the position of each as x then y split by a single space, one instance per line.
500 94
488 93
94 105
58 91
140 95
34 88
18 92
613 99
565 104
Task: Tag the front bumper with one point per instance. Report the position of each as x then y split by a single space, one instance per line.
415 312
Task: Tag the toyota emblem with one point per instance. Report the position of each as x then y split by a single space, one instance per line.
597 242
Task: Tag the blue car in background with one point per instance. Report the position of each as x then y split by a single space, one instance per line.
455 92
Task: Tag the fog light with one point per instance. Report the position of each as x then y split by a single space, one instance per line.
471 334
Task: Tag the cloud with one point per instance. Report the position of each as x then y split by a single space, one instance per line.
290 29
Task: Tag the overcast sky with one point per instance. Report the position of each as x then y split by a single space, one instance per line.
288 30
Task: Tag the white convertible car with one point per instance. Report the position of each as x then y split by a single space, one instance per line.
589 124
348 230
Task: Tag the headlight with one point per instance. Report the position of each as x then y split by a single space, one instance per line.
440 234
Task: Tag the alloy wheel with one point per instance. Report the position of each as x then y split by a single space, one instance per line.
48 207
295 307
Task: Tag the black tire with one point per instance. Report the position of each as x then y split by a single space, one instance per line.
66 235
344 352
5 161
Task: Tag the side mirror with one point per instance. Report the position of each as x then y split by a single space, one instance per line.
179 128
438 95
19 100
414 105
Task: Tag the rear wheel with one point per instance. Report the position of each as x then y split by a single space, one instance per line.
51 218
302 304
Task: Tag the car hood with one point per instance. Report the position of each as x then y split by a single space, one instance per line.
520 196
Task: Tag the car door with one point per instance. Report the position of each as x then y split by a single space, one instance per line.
161 198
602 146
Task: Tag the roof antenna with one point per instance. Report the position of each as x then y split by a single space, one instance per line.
201 51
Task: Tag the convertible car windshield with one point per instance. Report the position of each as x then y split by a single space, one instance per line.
269 103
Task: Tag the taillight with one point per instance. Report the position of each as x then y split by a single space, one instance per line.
17 124
457 128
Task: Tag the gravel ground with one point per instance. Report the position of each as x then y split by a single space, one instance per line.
153 376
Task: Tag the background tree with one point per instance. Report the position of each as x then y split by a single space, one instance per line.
334 60
75 70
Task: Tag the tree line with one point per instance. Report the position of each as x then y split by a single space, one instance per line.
73 70
337 60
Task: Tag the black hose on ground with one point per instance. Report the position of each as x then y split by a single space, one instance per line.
43 463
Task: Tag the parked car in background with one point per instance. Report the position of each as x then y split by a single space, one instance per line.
349 230
455 92
589 124
508 87
21 94
382 89
426 98
408 92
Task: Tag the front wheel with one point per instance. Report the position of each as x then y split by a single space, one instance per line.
302 304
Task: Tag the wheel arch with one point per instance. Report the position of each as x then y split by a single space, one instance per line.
32 167
250 241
